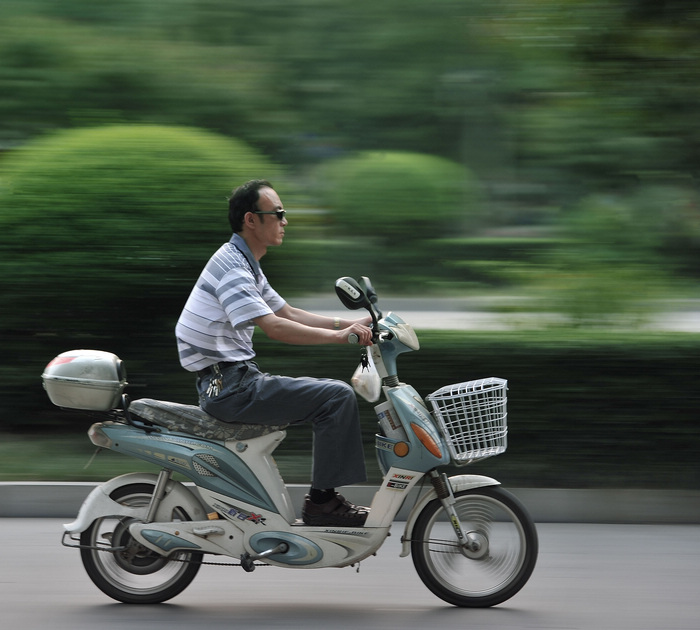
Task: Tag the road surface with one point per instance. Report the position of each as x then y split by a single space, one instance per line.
500 314
588 577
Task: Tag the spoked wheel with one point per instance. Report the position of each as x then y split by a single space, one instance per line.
134 575
497 559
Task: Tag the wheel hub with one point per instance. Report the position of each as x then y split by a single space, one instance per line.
476 546
134 557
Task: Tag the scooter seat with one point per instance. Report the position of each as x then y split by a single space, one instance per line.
196 421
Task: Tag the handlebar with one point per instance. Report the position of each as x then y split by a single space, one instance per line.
376 338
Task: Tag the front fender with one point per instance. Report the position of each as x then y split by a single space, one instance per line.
458 482
99 504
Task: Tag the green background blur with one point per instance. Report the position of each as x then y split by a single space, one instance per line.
535 158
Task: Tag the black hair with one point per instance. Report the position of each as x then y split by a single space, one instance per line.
244 199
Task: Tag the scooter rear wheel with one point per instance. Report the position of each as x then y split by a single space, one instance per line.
135 575
498 559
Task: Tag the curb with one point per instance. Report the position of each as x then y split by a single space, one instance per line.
546 505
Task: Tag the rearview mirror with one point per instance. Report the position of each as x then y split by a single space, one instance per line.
351 294
369 289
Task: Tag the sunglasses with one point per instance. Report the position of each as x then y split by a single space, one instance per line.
280 214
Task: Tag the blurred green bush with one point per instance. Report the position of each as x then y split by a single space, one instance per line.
107 227
394 204
103 232
398 196
619 254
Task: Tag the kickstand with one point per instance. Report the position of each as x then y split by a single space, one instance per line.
92 459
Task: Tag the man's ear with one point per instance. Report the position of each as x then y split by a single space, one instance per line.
249 220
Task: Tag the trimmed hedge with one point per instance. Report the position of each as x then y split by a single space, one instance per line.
596 410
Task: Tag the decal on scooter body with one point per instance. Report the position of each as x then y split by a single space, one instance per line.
235 513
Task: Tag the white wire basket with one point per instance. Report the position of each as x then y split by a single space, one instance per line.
473 418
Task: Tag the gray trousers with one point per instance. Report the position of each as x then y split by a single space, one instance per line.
253 397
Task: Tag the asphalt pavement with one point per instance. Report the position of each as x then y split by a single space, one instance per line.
588 577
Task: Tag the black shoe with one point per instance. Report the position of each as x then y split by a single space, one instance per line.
337 511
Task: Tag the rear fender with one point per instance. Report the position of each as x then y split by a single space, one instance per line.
458 483
99 504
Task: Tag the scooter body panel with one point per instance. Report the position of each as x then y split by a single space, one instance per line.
419 429
213 466
306 547
98 503
387 501
246 528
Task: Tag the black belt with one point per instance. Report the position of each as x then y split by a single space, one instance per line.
221 365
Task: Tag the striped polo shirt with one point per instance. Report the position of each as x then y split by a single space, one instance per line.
216 323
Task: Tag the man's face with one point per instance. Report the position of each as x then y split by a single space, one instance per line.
271 228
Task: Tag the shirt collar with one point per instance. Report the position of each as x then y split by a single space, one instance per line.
238 242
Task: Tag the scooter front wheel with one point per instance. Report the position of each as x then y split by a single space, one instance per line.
495 560
134 574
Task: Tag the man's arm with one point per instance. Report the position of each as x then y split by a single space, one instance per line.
318 321
296 326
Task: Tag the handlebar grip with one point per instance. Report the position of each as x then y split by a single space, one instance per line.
353 338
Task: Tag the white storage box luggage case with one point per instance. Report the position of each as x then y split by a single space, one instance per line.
85 379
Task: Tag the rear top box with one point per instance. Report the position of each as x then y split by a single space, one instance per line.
85 379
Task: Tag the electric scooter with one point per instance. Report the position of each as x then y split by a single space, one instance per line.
143 537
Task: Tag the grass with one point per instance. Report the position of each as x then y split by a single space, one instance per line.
60 458
72 458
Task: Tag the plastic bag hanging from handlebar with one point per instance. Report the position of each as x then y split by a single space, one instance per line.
366 380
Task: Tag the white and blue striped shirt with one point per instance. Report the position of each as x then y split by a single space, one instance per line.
216 323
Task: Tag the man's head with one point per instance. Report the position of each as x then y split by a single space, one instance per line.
244 199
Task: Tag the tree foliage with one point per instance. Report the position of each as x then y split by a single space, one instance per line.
545 101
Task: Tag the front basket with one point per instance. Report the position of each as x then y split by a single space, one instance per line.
473 418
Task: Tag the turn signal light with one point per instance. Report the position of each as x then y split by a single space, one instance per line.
427 441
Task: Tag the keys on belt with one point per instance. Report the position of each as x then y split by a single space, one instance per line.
216 382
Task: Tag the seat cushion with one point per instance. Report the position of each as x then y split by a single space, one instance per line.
196 421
